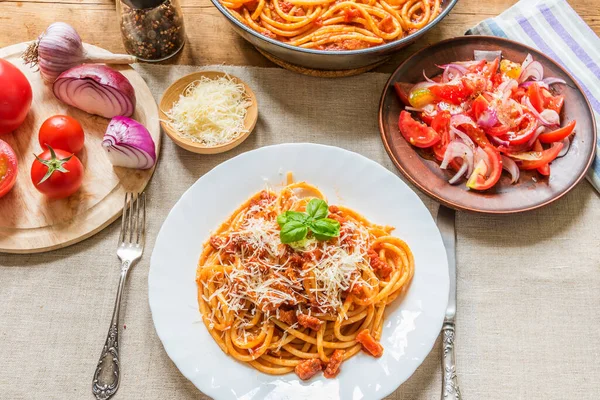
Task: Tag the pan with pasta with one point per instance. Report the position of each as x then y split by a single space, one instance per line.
335 25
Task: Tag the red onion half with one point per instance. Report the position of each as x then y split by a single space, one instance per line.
129 144
96 89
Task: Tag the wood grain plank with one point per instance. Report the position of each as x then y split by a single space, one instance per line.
210 38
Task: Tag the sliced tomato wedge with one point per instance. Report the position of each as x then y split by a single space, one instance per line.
8 168
518 93
542 158
534 92
558 134
415 132
476 66
553 102
484 176
402 90
525 133
491 68
479 106
478 136
454 93
441 124
545 169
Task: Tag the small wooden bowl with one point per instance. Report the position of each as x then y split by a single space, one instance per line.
172 94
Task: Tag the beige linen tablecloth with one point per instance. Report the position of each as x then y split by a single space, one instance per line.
528 285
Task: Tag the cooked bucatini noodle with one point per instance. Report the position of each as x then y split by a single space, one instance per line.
306 306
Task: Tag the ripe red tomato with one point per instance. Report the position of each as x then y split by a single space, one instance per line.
63 133
415 132
56 173
8 168
15 97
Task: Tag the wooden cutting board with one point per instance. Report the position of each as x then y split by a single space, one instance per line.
30 222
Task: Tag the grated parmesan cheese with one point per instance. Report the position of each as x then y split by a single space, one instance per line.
210 111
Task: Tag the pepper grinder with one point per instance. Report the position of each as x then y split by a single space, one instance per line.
152 30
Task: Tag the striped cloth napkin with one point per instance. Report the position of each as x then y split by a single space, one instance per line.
555 29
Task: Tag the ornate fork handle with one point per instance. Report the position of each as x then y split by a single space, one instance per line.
108 374
450 389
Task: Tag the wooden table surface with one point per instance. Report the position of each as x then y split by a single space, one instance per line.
210 38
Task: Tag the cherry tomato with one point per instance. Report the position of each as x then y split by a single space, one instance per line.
15 97
8 168
478 180
546 157
62 132
557 135
415 132
534 92
454 93
56 173
545 169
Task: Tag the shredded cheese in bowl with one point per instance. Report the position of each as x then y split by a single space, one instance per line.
210 111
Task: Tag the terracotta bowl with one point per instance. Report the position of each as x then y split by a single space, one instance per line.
172 94
532 190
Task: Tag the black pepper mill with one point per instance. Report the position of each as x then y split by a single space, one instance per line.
152 30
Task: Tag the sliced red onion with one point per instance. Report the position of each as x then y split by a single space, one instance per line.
488 118
552 81
452 72
427 78
526 156
537 133
96 89
463 136
528 59
129 144
547 117
529 83
499 142
461 171
487 55
511 166
457 149
566 146
534 70
506 88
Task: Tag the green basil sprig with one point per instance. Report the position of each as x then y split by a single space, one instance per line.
296 225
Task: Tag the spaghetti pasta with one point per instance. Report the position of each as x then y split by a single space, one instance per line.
334 24
303 306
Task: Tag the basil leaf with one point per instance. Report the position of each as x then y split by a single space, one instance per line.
325 228
287 216
293 231
317 208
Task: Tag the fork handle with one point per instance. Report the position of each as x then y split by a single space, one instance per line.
108 373
450 389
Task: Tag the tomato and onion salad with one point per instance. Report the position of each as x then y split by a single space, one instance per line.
484 116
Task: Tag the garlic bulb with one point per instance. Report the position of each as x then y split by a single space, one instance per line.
60 48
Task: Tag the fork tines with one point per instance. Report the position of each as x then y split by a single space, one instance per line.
134 219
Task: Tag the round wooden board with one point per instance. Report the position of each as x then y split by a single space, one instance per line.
31 223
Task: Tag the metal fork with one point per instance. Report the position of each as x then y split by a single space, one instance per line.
130 249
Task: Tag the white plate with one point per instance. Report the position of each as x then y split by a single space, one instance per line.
410 328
